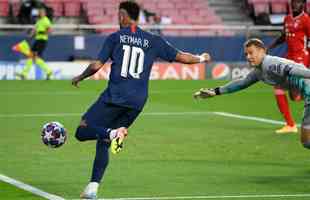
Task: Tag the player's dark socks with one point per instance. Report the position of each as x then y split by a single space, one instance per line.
101 161
91 132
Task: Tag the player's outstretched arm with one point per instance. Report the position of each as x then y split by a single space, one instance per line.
231 87
204 93
90 70
188 58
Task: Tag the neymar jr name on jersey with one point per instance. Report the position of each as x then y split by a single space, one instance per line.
131 40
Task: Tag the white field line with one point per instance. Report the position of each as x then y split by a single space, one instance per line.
29 188
225 114
257 196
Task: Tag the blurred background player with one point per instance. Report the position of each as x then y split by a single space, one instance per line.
295 33
40 33
274 71
132 51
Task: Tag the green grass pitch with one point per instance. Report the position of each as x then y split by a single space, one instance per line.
164 155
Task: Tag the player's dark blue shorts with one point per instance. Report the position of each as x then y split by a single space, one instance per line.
39 46
110 115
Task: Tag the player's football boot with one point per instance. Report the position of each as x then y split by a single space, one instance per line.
90 191
117 141
20 75
287 129
49 75
88 195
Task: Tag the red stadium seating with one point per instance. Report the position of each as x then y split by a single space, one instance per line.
15 6
279 6
181 12
260 8
72 8
4 8
56 5
186 12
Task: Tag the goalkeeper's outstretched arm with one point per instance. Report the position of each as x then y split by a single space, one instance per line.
231 87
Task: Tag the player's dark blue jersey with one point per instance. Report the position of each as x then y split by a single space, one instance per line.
132 53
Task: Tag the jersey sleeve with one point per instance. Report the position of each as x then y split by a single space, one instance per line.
165 50
106 50
300 71
307 24
240 84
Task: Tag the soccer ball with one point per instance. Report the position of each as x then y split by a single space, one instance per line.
54 134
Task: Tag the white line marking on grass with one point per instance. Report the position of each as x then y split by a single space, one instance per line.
214 197
259 119
225 114
29 188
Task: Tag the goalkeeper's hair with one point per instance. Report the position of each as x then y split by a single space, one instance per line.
255 42
132 8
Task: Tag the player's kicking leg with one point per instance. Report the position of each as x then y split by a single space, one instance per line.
117 137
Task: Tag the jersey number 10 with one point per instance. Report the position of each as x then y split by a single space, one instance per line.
133 61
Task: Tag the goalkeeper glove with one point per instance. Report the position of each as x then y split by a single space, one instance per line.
204 93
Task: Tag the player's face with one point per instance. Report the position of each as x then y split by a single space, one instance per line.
42 13
297 6
254 55
122 17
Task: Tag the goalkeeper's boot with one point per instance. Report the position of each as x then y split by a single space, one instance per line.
117 139
287 129
90 191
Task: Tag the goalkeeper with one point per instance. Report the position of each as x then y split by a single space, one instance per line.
273 71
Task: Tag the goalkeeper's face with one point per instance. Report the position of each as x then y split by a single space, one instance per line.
254 55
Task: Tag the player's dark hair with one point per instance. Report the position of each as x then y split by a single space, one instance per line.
255 42
304 1
132 8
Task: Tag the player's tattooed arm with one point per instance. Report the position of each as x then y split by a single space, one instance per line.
188 58
90 70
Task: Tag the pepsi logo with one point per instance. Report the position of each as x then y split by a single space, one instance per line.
220 71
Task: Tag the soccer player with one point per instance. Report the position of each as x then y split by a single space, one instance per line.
132 51
295 33
40 33
273 71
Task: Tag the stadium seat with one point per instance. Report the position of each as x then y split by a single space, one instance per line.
4 8
279 6
57 7
72 8
260 8
15 6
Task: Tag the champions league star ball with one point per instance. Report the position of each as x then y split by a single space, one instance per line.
53 134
